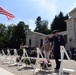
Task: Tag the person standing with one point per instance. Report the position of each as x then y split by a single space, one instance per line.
47 48
58 41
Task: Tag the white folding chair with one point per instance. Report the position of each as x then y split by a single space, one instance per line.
25 55
13 58
5 58
15 52
36 70
63 51
2 57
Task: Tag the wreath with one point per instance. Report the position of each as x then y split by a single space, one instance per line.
29 61
45 64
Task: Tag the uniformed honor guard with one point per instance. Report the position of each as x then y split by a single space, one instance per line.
58 41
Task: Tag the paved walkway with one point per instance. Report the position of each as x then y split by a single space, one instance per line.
6 70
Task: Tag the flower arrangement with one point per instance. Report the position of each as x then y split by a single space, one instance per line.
29 61
26 61
33 61
45 64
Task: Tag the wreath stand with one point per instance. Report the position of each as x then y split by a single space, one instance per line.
63 51
36 70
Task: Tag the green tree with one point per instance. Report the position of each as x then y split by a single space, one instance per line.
41 26
10 29
19 34
2 34
38 24
44 27
59 22
13 35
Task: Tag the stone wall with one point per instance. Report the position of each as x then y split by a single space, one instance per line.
70 44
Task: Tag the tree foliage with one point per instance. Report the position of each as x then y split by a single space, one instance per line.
2 34
59 22
13 35
41 26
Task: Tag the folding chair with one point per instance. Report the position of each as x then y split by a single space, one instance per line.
5 56
15 52
8 58
2 57
63 51
13 58
50 69
25 55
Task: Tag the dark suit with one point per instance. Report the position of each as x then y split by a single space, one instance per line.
57 42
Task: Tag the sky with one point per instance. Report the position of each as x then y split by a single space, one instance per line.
29 10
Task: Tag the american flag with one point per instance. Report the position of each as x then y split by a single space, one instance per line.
4 12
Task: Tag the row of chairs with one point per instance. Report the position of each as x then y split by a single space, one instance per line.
7 56
11 56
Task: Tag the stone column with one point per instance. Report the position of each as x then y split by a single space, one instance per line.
73 28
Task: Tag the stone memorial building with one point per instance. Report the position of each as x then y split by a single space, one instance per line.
37 39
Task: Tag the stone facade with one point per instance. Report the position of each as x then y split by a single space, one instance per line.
71 25
37 39
34 39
